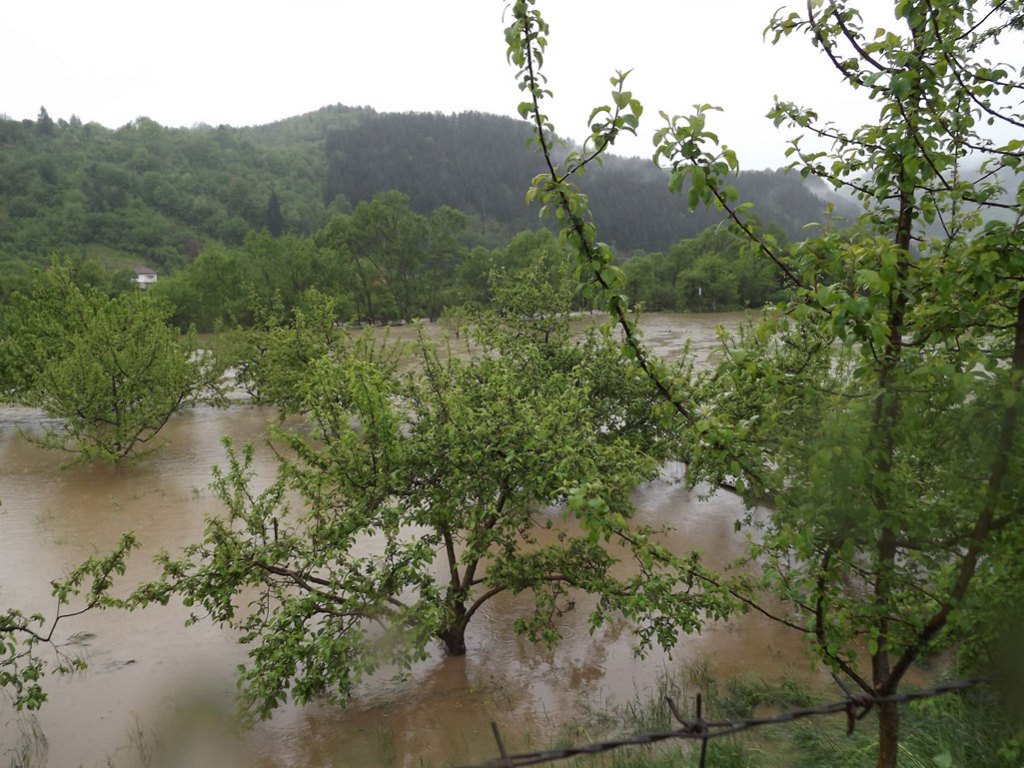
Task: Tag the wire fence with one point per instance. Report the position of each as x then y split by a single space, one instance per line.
697 729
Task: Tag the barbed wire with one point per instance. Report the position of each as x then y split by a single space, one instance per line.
855 707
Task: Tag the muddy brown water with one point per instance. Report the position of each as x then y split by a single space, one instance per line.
152 679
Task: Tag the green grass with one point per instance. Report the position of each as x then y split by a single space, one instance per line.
973 730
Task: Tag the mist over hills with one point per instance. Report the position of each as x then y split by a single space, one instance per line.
159 195
483 164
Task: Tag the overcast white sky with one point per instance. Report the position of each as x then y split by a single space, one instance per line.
246 62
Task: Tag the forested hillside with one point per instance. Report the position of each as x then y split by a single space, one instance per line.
483 163
157 195
150 193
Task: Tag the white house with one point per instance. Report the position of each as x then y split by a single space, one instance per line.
144 276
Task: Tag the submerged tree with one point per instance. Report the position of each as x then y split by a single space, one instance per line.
412 500
879 414
112 371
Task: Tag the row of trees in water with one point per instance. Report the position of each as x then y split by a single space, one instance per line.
78 332
386 263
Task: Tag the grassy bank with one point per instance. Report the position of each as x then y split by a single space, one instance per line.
969 730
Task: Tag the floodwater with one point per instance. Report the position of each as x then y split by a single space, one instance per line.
153 680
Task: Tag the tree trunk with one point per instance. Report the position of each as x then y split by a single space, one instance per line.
453 633
454 639
888 735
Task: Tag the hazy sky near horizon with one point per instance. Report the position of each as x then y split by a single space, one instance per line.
251 62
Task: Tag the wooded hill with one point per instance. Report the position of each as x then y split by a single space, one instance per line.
483 164
158 195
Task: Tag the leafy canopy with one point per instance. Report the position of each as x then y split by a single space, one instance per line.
111 370
407 501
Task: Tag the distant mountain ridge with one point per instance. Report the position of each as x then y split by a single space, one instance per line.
157 195
484 164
